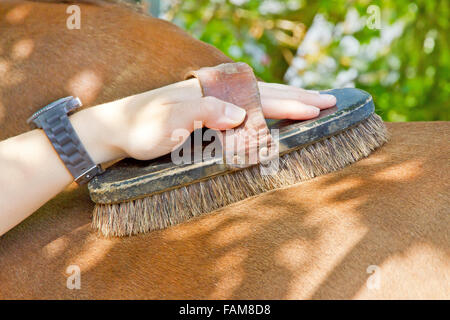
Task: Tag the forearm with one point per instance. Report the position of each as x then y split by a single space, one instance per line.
31 172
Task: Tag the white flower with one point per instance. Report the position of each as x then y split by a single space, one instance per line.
319 35
299 63
235 51
239 2
349 45
353 22
290 74
345 78
390 78
296 82
271 7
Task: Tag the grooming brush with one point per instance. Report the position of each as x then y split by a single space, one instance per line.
140 196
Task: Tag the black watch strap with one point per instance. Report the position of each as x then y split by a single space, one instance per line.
54 121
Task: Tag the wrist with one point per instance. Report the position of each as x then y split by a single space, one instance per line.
97 131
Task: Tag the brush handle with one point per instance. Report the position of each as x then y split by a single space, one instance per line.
249 143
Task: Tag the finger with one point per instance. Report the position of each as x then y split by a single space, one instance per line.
308 97
289 109
212 112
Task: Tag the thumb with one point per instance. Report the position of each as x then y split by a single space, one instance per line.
214 113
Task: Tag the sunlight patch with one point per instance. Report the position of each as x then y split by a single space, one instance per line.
55 248
86 85
22 49
229 266
18 14
401 172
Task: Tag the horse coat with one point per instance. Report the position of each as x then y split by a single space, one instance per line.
377 229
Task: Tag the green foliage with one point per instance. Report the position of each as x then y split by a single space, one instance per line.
409 78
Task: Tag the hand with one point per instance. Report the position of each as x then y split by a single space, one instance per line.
141 126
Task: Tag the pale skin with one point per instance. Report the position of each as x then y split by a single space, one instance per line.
140 126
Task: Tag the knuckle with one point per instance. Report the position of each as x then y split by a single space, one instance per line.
212 104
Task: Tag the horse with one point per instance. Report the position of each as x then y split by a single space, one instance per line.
377 229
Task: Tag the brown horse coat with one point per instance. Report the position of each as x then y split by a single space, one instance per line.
377 229
116 53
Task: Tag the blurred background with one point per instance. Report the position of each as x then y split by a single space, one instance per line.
397 50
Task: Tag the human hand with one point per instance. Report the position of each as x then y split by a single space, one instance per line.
142 126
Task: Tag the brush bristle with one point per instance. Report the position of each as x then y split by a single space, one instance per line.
168 208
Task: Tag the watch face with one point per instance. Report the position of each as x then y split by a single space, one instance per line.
69 103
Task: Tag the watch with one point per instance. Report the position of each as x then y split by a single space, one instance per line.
54 120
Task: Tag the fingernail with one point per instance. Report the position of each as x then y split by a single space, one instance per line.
312 111
234 113
328 98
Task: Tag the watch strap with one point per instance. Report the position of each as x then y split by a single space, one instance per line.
56 125
68 145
